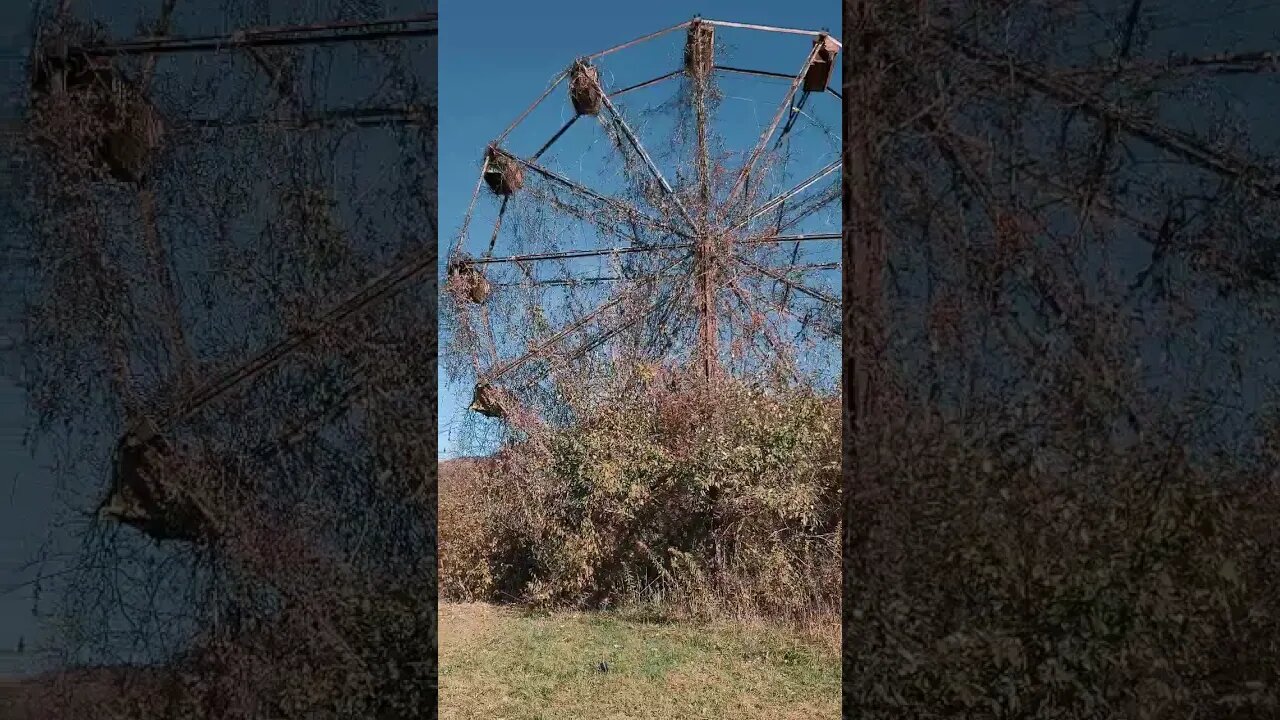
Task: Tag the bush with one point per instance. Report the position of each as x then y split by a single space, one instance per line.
986 580
708 503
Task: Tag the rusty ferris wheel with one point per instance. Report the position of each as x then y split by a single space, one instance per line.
714 247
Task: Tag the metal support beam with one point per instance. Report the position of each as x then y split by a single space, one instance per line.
639 40
777 118
618 206
775 201
639 148
765 28
323 33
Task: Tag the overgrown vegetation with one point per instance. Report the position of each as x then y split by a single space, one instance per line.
707 505
1061 454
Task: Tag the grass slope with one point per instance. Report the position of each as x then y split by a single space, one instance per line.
504 664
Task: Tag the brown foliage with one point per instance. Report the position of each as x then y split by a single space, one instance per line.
709 504
1061 493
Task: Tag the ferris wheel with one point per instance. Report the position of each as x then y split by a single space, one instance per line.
687 220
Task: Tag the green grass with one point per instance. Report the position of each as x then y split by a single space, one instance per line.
504 664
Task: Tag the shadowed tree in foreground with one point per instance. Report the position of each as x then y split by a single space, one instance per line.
1059 327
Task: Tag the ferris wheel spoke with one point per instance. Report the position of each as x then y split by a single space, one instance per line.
956 156
394 116
834 333
792 116
777 118
1134 124
560 362
628 211
1248 62
798 287
636 145
385 285
647 83
754 73
811 237
775 201
812 206
559 133
504 369
573 254
497 226
424 25
492 344
780 349
554 282
595 342
352 392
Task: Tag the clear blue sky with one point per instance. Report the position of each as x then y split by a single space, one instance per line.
496 60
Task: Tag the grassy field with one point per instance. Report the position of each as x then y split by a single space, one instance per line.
504 664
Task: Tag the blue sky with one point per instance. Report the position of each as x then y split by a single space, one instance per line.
495 62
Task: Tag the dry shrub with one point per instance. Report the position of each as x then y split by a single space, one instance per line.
1126 582
704 504
464 540
1059 502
